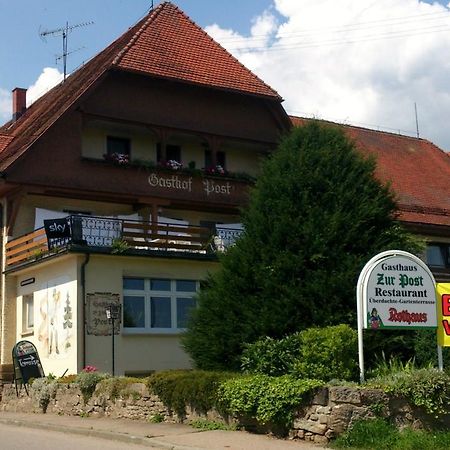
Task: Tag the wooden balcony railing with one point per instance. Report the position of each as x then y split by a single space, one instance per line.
26 247
119 236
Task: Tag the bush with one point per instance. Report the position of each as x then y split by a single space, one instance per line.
269 356
180 388
319 353
426 388
67 379
269 400
425 349
87 381
328 353
116 387
315 216
45 389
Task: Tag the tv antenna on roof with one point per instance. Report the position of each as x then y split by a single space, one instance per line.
64 32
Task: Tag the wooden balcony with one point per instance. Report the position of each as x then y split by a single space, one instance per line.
117 236
27 247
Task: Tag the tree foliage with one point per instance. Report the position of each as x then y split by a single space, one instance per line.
315 217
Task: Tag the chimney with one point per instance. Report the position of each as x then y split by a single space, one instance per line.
19 97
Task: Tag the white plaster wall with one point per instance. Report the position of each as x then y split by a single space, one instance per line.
55 308
138 353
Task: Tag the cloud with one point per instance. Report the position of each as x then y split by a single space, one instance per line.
356 61
5 106
49 78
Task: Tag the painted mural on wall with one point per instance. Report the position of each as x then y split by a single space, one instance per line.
55 322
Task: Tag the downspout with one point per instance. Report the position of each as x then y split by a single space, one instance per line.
3 280
83 294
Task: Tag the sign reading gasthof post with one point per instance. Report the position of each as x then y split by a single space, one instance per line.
400 293
395 290
443 332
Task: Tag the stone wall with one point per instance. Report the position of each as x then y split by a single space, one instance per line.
67 399
334 409
331 411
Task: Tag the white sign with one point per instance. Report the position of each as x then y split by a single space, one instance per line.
395 290
399 292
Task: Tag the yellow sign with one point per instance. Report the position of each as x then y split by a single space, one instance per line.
443 295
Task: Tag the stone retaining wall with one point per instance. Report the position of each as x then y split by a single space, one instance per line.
331 411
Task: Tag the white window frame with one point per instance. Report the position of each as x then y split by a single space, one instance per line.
27 307
147 293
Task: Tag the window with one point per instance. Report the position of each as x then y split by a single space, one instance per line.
157 304
173 153
27 313
120 146
438 255
220 159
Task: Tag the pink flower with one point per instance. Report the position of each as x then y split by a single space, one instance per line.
90 369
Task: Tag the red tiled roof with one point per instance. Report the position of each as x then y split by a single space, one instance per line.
4 141
170 45
417 170
165 43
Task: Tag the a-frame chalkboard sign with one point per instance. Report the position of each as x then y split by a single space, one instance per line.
27 364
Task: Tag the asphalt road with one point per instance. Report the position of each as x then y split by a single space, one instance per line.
22 438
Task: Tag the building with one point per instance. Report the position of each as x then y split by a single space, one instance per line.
102 153
122 184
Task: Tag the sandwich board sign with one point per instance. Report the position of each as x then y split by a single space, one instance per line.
396 290
27 363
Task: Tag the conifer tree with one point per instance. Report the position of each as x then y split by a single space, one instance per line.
316 215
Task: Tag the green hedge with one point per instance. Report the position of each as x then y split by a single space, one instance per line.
269 400
426 388
180 388
318 353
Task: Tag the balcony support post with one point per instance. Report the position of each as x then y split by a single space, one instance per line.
154 214
214 143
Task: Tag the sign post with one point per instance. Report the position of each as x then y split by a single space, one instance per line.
395 290
27 363
112 314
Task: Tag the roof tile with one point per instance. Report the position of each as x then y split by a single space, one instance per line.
170 45
417 170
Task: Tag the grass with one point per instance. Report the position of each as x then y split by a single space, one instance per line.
208 425
116 387
385 367
378 434
156 418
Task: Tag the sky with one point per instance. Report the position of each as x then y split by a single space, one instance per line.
369 63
